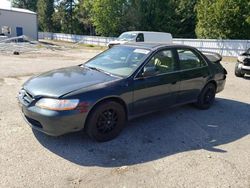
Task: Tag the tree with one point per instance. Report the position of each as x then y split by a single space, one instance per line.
107 16
111 18
226 19
45 12
67 17
184 18
26 4
84 16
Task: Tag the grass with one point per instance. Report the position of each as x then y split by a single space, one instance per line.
73 45
229 59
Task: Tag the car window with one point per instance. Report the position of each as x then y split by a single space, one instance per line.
189 60
140 37
162 61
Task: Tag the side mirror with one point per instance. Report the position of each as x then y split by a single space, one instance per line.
149 71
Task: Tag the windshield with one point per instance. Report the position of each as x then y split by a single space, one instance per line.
248 52
119 60
127 36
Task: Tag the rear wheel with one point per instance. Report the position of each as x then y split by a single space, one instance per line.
237 71
106 121
206 97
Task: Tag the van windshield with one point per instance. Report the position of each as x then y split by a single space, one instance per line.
127 36
248 52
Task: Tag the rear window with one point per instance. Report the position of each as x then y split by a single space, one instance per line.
189 60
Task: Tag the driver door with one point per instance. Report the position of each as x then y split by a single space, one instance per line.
158 83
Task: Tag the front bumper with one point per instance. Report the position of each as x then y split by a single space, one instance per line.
245 69
54 123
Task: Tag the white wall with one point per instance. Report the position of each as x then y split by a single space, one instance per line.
15 19
231 48
5 4
224 47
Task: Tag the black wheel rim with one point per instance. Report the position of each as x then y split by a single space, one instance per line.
209 96
107 121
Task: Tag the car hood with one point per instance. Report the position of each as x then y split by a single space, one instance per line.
118 42
59 82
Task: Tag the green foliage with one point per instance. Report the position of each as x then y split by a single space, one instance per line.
26 4
107 16
183 18
45 12
110 18
223 19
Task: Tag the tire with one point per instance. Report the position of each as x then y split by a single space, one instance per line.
106 121
206 97
237 71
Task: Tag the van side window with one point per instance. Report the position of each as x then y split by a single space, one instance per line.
189 60
140 37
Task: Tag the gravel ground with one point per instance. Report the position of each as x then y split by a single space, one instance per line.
180 147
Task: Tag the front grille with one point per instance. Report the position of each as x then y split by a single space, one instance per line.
34 122
25 97
247 62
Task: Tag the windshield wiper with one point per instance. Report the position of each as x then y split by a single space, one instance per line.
100 70
94 68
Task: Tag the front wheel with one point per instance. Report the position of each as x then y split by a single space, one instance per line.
206 97
106 121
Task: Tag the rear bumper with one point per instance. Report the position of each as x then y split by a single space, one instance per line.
221 85
53 123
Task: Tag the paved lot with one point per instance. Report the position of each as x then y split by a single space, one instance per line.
180 147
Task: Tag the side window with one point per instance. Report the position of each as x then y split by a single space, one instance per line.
189 60
162 62
140 37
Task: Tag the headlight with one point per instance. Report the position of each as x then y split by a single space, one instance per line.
241 58
57 104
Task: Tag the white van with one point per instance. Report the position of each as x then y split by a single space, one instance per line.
142 36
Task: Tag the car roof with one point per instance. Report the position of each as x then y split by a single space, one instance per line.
153 32
154 46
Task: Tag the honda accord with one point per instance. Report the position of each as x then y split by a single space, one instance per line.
119 84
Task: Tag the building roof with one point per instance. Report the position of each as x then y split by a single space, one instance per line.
17 10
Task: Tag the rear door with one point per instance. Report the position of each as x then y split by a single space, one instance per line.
194 73
160 89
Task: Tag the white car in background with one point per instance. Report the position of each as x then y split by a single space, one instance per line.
243 64
142 36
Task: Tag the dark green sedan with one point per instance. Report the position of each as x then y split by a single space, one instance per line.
119 84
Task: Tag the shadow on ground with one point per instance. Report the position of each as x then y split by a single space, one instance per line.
157 136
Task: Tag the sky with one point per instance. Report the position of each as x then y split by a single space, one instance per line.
4 4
